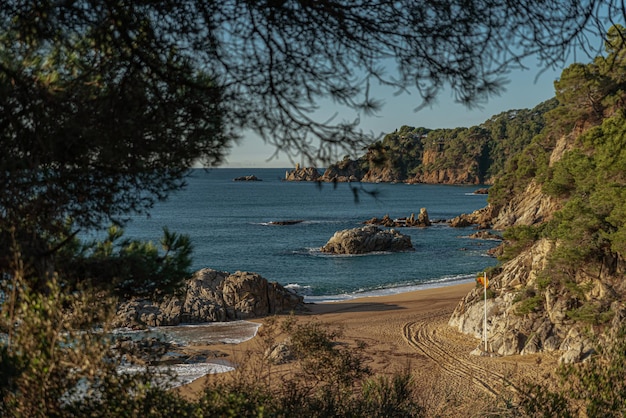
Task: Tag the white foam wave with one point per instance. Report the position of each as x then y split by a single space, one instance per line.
299 289
392 290
181 374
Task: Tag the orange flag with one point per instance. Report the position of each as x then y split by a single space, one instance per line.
482 279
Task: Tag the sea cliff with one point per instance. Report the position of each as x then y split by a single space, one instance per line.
560 284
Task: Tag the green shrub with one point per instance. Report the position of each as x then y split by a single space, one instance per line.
529 305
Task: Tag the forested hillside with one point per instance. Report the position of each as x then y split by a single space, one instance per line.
562 205
473 155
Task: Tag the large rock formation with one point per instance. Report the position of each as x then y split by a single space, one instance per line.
422 220
534 306
211 296
481 217
346 170
529 207
303 174
434 172
378 174
526 316
367 239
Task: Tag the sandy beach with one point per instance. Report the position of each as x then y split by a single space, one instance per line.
411 330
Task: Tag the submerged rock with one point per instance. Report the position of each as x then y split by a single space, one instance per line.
247 178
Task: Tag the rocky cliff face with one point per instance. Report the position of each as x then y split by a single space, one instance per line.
383 175
302 174
344 171
526 316
211 296
532 309
447 176
432 173
530 207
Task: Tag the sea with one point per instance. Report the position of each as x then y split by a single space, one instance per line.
230 226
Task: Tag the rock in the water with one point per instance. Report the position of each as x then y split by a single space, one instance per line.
211 296
247 178
367 239
287 222
421 221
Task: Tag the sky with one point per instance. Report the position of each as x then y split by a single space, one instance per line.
526 89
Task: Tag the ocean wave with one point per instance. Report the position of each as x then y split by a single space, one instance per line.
316 252
300 289
181 374
233 332
393 289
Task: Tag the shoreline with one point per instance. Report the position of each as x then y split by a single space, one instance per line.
378 321
409 332
389 291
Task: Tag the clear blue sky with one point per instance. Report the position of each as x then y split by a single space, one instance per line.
526 89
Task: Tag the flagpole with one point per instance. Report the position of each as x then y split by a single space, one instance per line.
485 323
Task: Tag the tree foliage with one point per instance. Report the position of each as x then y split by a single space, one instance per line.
484 148
595 388
578 161
104 105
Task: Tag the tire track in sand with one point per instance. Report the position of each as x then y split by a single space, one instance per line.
423 336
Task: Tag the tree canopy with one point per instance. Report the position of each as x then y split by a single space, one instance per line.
104 105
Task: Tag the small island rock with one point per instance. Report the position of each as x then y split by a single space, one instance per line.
367 239
247 178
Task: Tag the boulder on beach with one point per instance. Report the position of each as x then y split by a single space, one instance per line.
367 239
211 296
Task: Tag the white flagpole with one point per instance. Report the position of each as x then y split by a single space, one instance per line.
485 323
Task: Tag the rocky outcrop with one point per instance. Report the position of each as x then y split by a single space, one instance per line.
287 222
211 296
434 172
482 218
303 174
367 239
446 176
344 171
383 175
422 220
534 306
485 235
526 317
247 178
530 207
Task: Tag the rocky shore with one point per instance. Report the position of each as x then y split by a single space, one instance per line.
211 296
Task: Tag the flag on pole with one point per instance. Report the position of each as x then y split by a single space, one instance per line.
482 280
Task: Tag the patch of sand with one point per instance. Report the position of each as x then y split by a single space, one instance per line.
411 330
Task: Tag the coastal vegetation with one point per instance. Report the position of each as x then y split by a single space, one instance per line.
106 105
588 177
474 155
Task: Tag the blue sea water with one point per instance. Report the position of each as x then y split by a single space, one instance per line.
228 223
